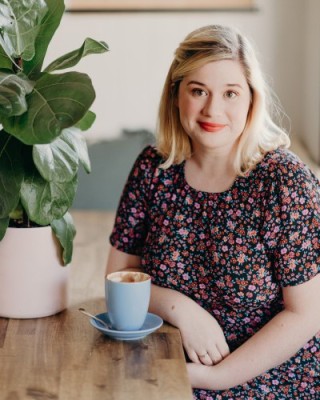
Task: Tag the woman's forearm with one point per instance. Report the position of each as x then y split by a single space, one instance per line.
169 304
200 332
275 343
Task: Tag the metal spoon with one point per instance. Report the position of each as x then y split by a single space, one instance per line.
101 321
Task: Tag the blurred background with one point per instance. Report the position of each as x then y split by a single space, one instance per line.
129 79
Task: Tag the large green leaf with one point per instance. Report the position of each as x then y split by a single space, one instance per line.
86 122
5 62
45 201
48 27
13 91
56 161
4 222
76 140
57 102
20 23
90 46
11 173
65 231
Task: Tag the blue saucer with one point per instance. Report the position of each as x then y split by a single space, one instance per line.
151 324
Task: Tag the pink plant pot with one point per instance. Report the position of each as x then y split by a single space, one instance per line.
33 280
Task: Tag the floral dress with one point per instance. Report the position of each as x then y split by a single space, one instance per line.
231 252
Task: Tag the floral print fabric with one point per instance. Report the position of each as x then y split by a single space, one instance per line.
231 252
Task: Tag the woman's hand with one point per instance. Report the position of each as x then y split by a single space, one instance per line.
277 341
202 337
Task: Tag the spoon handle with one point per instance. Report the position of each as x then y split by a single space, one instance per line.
101 321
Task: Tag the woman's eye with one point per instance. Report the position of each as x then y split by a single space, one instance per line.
231 94
198 92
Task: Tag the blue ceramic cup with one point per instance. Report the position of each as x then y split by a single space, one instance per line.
127 299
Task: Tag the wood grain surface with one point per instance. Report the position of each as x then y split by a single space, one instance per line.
64 357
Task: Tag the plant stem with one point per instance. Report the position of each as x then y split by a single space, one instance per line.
17 65
26 221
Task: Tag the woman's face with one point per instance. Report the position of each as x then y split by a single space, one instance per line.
213 104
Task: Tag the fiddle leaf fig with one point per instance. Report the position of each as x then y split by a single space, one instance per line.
65 231
4 222
76 140
71 59
13 91
48 26
86 122
11 173
45 201
56 161
5 62
56 102
42 115
20 23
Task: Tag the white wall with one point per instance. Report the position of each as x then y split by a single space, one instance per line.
311 77
129 79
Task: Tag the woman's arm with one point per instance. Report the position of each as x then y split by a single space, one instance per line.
201 333
274 344
202 336
119 261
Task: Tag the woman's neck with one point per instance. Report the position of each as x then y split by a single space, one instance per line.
210 171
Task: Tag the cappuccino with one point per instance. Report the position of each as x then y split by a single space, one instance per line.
127 299
128 277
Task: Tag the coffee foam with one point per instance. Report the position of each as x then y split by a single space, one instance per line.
128 277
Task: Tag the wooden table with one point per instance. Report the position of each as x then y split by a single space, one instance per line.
64 357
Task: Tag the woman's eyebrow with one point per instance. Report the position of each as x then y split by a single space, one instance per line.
203 84
234 84
195 83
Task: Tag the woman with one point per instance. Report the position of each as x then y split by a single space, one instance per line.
226 221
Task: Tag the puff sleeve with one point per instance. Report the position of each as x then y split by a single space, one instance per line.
292 223
131 221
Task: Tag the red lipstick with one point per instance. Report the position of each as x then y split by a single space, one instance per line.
211 127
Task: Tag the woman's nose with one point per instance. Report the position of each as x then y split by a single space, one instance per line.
213 106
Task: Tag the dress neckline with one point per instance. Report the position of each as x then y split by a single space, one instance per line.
190 188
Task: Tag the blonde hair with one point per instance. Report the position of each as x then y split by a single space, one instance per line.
260 135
